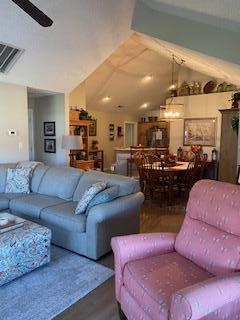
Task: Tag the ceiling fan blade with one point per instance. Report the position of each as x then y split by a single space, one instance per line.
34 12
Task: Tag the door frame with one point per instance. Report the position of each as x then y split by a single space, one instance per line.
31 134
135 132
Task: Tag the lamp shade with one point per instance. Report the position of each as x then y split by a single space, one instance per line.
72 143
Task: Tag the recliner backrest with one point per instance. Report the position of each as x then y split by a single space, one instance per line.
210 234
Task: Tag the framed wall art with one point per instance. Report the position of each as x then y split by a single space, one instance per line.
50 145
49 128
200 131
93 128
111 127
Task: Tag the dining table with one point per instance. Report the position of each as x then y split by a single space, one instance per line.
170 171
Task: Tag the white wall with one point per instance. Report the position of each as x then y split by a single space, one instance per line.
50 108
13 116
199 106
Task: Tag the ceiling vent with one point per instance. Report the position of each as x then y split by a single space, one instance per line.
8 56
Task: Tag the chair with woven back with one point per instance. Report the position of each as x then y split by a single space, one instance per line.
130 161
154 174
194 173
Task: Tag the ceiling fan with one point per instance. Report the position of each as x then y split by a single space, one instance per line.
39 16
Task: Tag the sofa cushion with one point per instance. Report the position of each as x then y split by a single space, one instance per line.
33 204
18 181
37 176
3 174
126 185
11 196
60 182
153 280
4 203
63 216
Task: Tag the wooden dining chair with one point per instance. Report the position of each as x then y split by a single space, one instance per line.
154 175
193 174
139 160
130 161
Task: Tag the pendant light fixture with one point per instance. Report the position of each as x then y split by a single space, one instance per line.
173 110
173 86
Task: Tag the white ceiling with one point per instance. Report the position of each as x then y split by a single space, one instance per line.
58 58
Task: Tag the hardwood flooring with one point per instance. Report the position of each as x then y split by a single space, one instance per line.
100 304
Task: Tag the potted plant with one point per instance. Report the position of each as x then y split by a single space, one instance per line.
84 115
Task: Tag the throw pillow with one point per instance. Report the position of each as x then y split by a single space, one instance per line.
88 195
18 181
104 196
28 165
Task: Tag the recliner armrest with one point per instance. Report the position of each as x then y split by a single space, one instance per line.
138 246
200 300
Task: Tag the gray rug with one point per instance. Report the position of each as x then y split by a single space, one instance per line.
47 291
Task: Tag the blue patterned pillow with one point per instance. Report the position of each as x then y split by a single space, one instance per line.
18 181
104 196
88 195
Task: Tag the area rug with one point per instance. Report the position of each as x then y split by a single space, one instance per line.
47 291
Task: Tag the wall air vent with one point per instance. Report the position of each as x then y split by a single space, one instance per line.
8 56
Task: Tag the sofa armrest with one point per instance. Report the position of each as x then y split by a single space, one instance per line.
200 300
139 246
118 217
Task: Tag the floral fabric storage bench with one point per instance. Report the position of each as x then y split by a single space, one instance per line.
23 250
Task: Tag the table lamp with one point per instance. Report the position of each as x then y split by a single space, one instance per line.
73 144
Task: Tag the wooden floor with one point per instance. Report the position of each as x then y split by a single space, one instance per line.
100 304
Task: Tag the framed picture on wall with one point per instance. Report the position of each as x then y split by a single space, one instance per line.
49 128
200 131
111 127
93 128
50 145
111 136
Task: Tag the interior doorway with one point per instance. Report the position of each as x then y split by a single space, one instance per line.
130 134
31 135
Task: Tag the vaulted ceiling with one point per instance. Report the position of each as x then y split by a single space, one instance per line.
133 77
86 33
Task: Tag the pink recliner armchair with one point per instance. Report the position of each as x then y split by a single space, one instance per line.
189 276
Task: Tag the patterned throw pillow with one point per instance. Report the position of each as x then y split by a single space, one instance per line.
88 195
28 165
18 181
104 196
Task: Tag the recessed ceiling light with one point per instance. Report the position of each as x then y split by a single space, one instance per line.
144 105
106 99
147 78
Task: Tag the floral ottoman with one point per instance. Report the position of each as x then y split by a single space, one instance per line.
23 250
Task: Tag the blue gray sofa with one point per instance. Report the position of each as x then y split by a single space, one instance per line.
55 192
